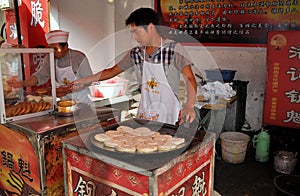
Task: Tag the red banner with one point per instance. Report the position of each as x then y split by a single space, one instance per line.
228 22
19 170
193 175
34 23
282 98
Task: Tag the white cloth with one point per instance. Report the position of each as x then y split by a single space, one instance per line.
57 36
158 101
222 89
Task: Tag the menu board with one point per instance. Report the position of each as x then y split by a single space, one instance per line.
227 22
282 98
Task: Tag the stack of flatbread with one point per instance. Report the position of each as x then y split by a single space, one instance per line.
138 140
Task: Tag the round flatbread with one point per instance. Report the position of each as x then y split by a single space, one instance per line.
163 137
143 138
129 136
144 148
177 140
113 133
152 142
142 131
112 143
101 137
154 134
121 138
134 143
126 148
168 146
125 129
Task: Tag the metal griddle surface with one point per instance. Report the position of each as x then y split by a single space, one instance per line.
154 160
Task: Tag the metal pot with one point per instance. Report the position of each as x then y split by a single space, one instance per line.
66 107
285 162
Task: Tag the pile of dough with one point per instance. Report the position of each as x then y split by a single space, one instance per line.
138 140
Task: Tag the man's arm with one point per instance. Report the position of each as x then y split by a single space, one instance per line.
32 81
102 75
191 87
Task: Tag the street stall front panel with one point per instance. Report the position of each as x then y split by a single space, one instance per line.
31 150
94 171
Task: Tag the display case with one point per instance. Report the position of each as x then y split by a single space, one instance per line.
27 102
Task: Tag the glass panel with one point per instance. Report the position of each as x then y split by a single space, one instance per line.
20 64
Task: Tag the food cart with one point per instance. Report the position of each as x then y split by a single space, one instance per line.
30 136
92 170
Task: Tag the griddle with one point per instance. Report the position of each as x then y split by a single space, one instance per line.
150 161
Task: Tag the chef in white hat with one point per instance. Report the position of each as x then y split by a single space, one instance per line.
70 65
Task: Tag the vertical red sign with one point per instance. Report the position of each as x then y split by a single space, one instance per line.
34 23
282 98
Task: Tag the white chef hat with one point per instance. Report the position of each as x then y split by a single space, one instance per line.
57 36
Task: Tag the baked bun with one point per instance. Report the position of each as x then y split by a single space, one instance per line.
41 91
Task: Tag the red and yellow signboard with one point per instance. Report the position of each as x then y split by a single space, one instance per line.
228 22
282 98
19 171
192 175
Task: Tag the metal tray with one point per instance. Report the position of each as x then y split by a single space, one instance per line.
148 160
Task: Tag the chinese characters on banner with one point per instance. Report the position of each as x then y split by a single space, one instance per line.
282 98
19 171
34 23
228 22
192 175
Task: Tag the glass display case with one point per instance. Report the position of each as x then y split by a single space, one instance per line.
25 102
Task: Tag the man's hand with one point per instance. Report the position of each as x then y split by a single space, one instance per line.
187 114
76 85
63 91
13 82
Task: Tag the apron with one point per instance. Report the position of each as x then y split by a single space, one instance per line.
83 95
158 101
65 73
